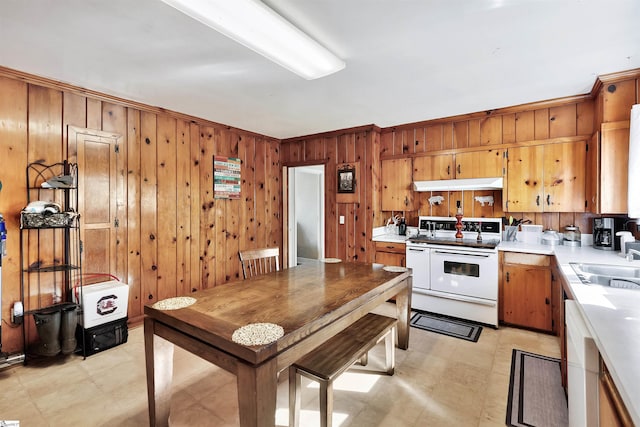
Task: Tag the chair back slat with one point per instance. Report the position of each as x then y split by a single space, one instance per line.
259 261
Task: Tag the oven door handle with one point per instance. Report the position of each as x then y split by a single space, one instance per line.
417 249
462 254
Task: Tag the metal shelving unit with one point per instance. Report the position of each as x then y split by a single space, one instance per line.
50 245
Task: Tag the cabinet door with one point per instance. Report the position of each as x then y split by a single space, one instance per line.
479 164
564 177
390 258
527 296
429 168
397 185
525 179
614 164
611 409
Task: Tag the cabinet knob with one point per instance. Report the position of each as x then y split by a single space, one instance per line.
507 276
459 170
448 169
546 301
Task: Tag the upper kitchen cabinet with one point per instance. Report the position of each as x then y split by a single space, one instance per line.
468 164
546 178
479 164
433 167
608 161
397 193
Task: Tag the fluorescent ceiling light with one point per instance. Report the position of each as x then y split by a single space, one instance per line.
253 24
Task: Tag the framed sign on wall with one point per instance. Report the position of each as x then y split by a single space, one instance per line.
226 177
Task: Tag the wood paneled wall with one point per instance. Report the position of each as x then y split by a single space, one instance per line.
352 240
174 237
533 122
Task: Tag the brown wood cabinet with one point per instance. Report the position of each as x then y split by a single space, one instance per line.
547 178
611 408
561 292
607 167
468 164
479 164
396 185
527 291
389 253
433 167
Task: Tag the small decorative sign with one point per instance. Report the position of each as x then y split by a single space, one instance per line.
226 177
347 179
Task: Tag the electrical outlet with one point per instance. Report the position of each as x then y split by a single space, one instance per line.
341 219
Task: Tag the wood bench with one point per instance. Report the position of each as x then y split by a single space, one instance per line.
330 360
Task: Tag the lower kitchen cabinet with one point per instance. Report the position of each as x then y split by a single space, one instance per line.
389 253
562 292
611 408
527 291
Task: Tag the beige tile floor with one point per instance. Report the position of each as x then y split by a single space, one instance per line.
439 381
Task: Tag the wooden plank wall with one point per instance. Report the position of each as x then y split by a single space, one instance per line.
351 240
174 237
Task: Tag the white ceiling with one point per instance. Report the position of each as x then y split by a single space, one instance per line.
406 60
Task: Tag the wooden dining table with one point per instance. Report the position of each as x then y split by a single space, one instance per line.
312 302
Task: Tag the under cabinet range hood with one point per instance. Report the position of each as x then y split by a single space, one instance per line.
459 184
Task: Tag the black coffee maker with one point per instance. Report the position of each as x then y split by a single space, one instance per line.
604 233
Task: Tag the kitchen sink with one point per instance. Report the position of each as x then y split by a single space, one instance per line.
615 276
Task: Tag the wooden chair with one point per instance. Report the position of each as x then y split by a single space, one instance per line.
259 261
334 357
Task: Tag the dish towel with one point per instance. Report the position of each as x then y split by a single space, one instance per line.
633 197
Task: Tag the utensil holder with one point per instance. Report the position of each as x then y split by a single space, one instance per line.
510 233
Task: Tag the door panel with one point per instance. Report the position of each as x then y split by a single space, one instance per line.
96 158
564 177
525 181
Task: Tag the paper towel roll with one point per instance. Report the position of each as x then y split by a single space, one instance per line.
633 196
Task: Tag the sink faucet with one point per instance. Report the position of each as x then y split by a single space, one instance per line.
630 254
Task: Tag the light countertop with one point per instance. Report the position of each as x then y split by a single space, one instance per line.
384 234
612 315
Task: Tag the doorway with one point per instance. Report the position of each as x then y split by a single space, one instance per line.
305 225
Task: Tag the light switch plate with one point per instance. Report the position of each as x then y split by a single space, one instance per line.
341 219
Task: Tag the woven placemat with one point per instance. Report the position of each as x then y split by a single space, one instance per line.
257 334
174 303
331 260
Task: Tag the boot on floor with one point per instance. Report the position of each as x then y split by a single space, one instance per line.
68 327
48 326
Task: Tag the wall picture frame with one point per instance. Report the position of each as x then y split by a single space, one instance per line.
347 179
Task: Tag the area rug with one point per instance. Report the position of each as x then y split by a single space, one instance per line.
536 396
447 326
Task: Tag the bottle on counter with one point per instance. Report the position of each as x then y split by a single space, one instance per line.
402 227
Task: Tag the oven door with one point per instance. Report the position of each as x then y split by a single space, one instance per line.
465 272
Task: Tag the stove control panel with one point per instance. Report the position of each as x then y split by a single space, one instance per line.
490 226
